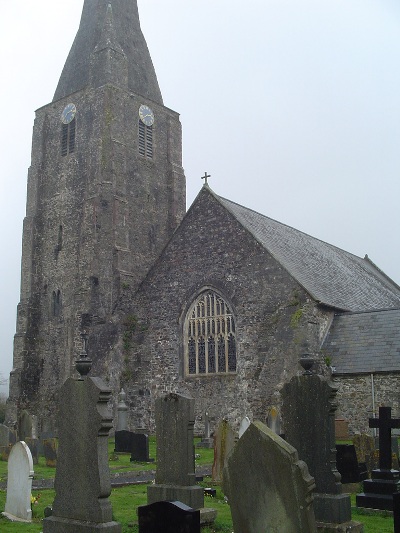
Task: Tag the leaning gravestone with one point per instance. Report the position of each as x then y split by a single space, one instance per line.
168 517
175 474
224 442
82 482
308 413
268 488
19 484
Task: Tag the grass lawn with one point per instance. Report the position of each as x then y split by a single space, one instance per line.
126 500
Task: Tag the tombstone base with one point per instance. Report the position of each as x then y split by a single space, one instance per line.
191 496
354 527
55 524
207 516
378 491
332 508
206 443
15 518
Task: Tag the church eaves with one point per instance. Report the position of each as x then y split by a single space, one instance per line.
332 276
121 32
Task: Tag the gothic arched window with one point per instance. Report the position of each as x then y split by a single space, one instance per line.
68 138
210 336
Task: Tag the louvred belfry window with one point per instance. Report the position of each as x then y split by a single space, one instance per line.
68 138
210 336
145 140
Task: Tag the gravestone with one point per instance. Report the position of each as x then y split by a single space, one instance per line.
350 469
50 452
19 484
33 445
365 448
82 481
5 452
268 488
7 436
45 435
123 441
207 441
244 425
308 413
224 442
140 448
274 420
378 491
24 426
175 474
122 412
168 517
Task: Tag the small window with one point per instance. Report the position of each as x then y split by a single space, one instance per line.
68 138
56 303
145 140
210 333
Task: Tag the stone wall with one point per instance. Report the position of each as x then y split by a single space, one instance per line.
355 398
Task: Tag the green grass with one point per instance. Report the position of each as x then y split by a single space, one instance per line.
125 500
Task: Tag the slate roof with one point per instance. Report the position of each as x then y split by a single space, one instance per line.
330 275
365 342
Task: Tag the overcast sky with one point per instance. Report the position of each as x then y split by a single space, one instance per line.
293 107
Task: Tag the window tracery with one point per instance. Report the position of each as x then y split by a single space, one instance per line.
210 345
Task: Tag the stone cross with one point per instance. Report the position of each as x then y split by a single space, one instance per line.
122 409
205 178
385 423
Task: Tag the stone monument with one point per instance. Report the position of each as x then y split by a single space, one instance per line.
224 442
122 412
82 481
268 488
19 484
379 490
308 413
207 441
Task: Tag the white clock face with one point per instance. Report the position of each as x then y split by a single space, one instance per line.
68 114
146 115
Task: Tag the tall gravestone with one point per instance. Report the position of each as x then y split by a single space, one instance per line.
379 490
268 488
175 475
82 481
19 484
122 412
224 442
309 416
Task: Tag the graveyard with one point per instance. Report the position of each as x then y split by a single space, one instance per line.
126 499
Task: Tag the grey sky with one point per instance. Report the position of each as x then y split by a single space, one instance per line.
292 106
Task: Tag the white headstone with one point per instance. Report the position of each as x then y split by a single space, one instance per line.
244 424
19 483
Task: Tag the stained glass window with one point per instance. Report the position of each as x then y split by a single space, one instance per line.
210 336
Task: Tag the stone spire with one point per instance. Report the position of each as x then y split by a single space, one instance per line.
110 26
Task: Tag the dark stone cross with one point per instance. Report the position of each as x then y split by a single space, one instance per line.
205 178
385 424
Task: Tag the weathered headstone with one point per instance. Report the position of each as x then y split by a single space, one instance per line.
244 425
140 448
50 452
350 469
33 445
175 475
378 491
207 441
268 488
122 412
168 517
7 436
365 447
224 442
24 425
82 481
274 420
5 452
123 441
308 413
19 484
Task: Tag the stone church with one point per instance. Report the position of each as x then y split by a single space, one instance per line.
218 302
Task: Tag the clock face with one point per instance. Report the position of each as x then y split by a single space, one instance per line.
146 115
68 114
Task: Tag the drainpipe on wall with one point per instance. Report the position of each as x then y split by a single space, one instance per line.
373 399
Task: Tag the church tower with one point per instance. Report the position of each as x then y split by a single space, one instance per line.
106 190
